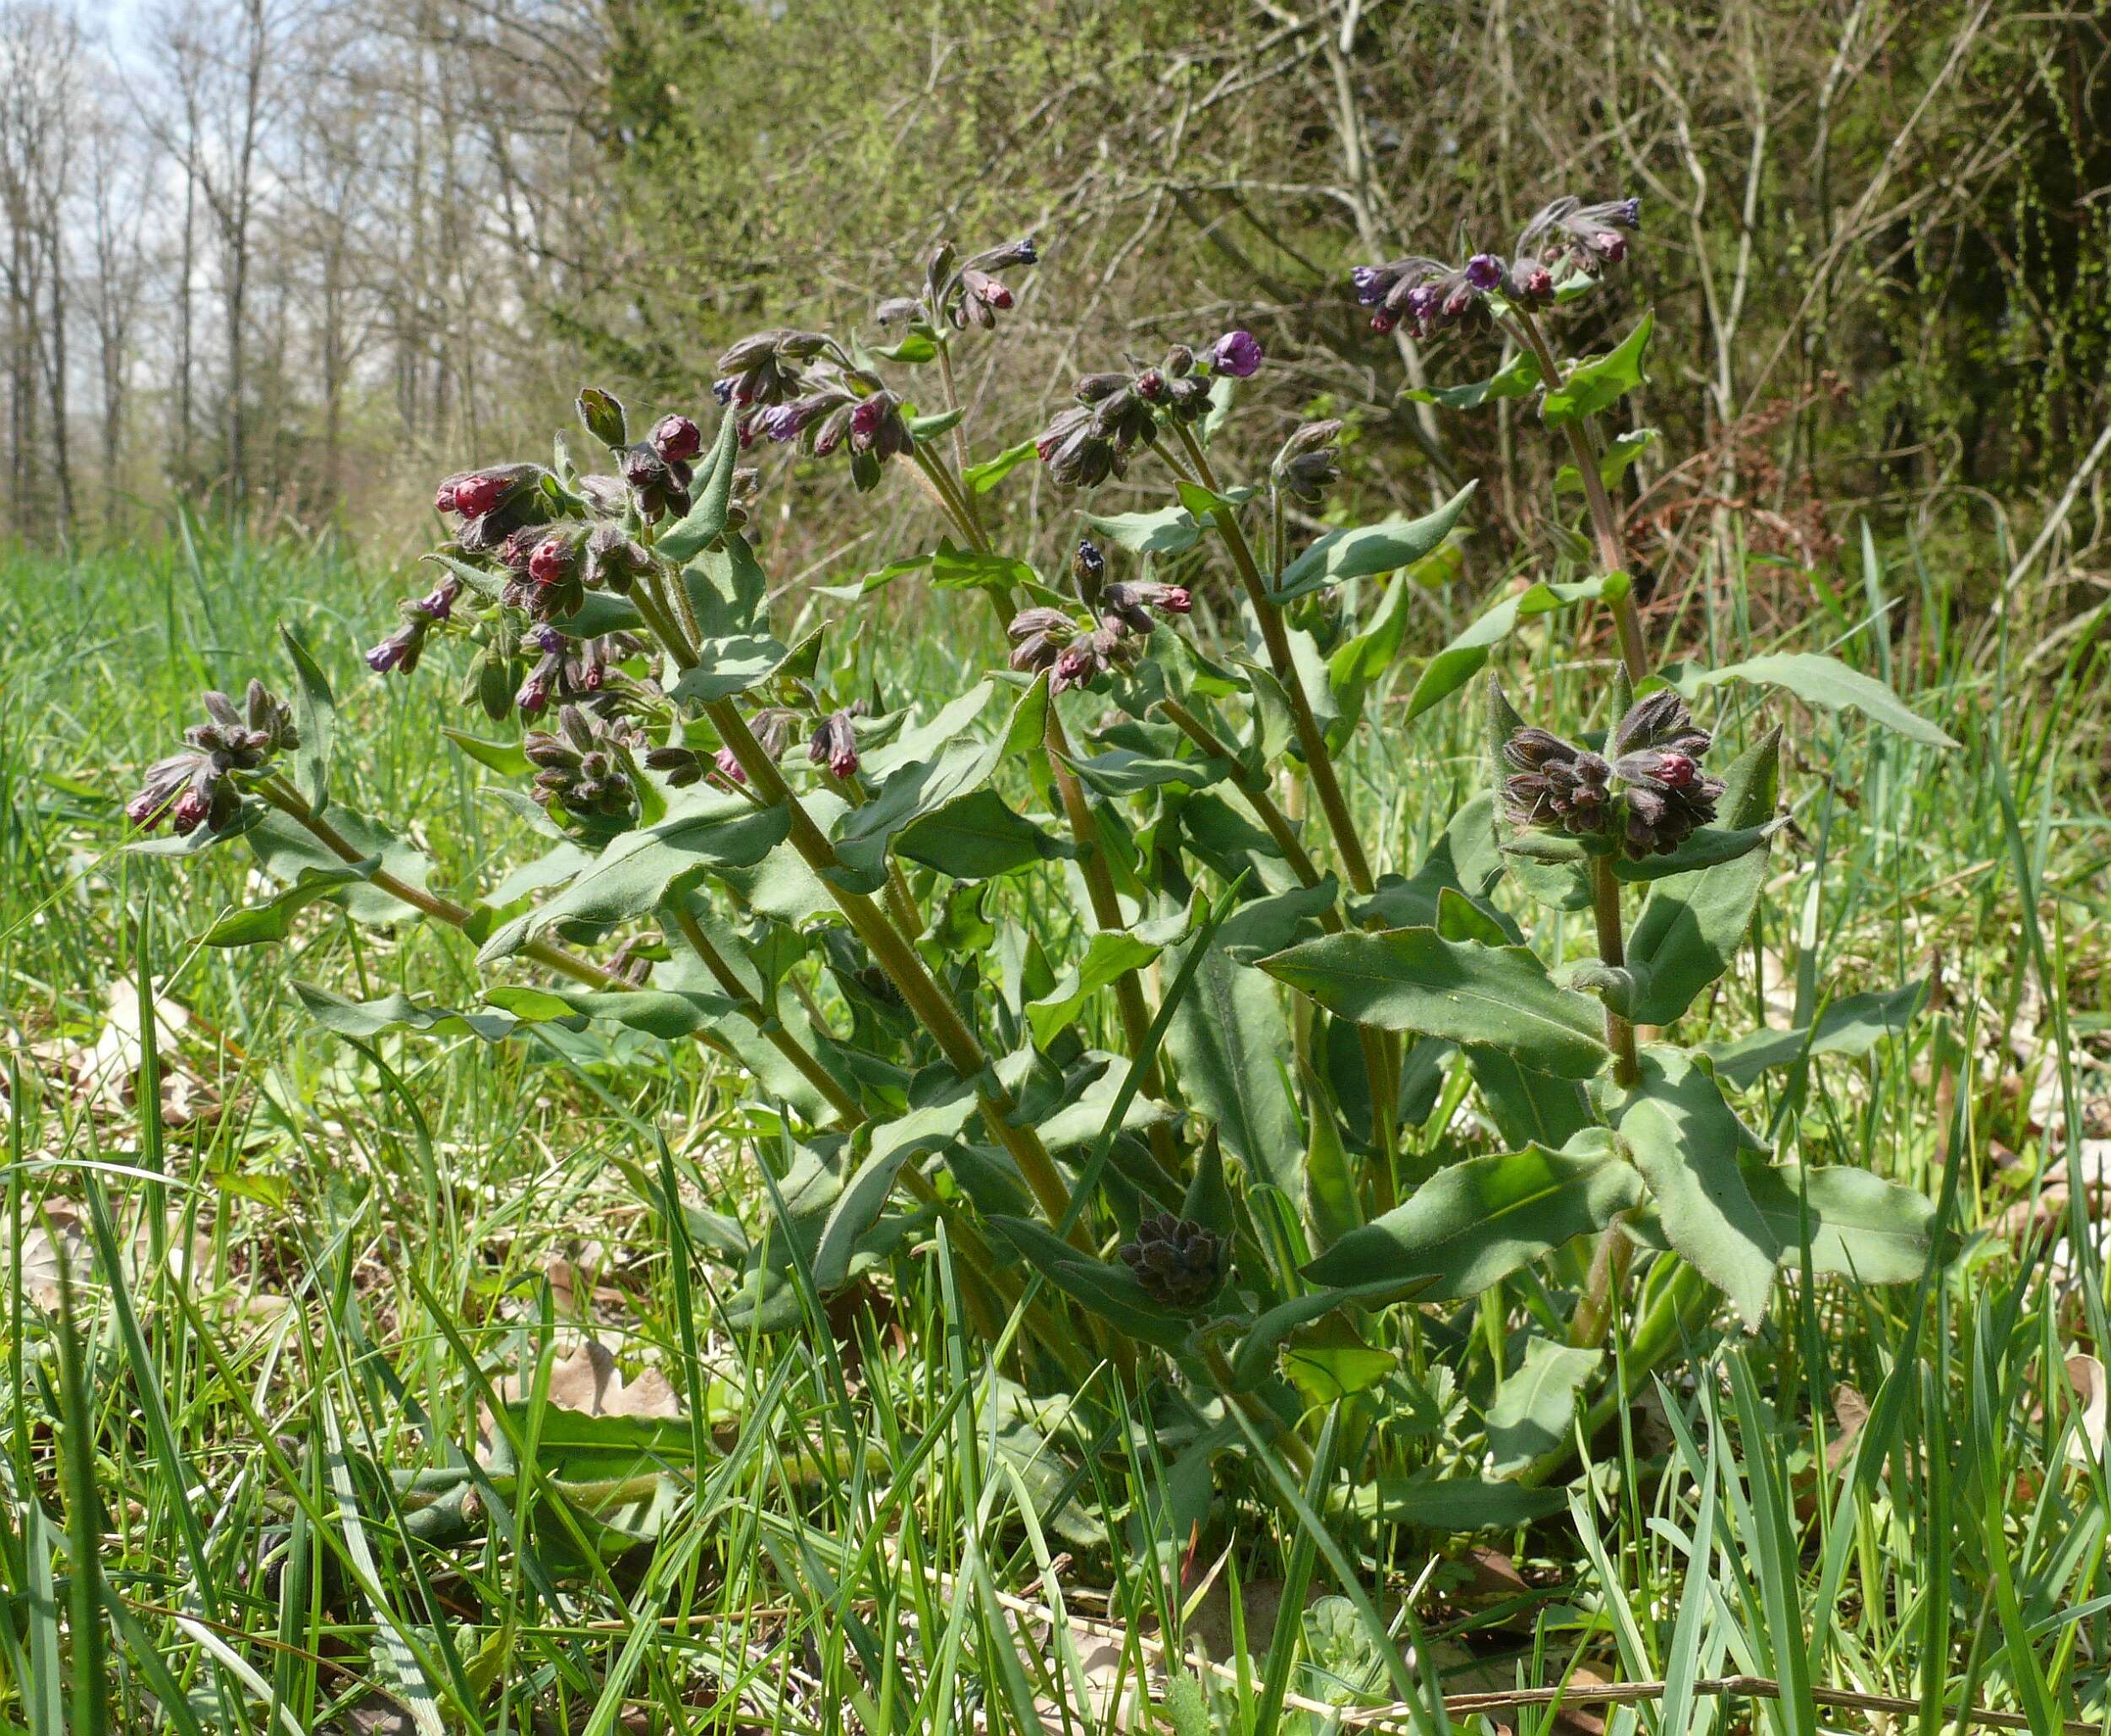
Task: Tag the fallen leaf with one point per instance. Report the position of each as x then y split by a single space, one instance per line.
585 1379
2085 1375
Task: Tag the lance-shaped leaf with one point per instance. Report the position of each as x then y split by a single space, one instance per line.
1614 463
1171 531
1466 654
1687 1143
1414 979
315 717
1852 1026
985 476
287 850
273 920
666 1013
1111 1292
1480 1220
1112 954
921 787
1367 550
1527 1107
727 589
1691 925
1602 382
1229 1042
706 519
1518 378
726 668
705 829
978 837
1860 1225
366 1020
1533 1413
1820 681
864 1193
1704 847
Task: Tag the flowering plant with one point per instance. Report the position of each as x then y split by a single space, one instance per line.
1141 1148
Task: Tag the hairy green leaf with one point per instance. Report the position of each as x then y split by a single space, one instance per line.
1602 382
1686 1141
1414 979
1480 1220
1367 550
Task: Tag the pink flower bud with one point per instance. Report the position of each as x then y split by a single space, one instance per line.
479 492
677 439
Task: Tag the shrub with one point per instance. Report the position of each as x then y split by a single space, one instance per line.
744 854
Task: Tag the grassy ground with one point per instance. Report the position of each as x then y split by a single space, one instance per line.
236 1496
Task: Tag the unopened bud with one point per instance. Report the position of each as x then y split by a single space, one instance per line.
602 415
677 439
835 745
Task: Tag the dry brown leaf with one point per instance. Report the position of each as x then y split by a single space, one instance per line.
2085 1375
58 1233
1850 1411
585 1379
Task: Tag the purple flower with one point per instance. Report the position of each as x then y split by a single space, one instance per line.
400 650
1237 353
1483 271
1370 282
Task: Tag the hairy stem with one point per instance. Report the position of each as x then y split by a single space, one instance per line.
785 1043
1134 1011
1380 1065
1319 765
895 956
959 438
1612 952
1612 552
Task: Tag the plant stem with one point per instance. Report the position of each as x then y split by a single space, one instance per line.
288 802
1612 553
1319 765
1286 1440
906 971
785 1043
1380 1070
1106 904
651 606
1609 1261
959 438
1084 828
1253 785
1619 1035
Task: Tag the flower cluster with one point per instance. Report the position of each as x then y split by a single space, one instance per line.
1309 462
959 292
1092 440
1177 1260
581 769
198 787
1427 295
1077 655
403 647
575 670
789 385
533 545
1651 796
